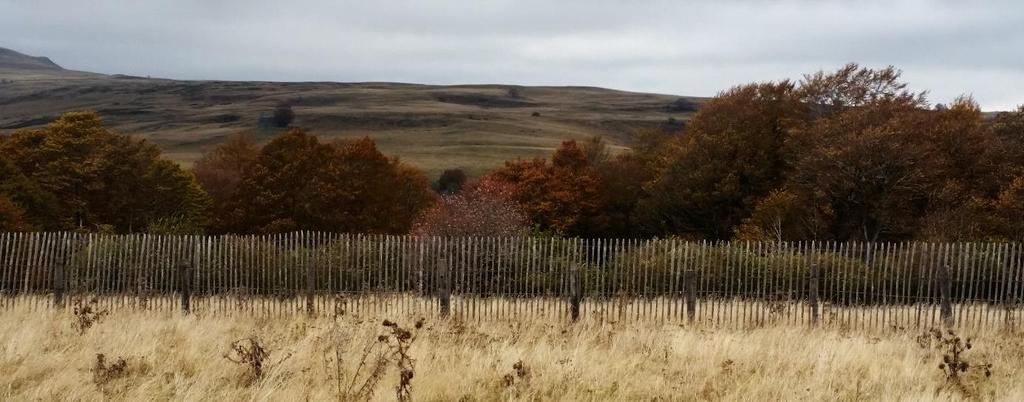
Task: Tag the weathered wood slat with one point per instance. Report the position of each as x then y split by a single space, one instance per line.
737 284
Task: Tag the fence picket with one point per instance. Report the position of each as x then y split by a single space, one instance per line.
737 284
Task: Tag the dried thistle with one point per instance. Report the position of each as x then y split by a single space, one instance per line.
392 347
520 372
251 353
103 373
954 364
86 315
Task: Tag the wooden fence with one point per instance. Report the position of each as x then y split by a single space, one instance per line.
878 285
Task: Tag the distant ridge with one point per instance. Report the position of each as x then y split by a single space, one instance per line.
434 127
10 59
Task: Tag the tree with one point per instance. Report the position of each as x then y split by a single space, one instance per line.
297 182
853 86
411 196
285 182
283 116
96 177
486 208
220 171
451 181
785 215
25 204
622 181
382 194
563 196
173 194
862 155
682 105
12 216
850 154
1008 127
967 165
595 151
1008 210
730 157
869 166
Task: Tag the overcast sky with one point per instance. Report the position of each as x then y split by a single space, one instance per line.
674 47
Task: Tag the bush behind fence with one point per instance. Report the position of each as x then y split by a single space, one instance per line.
291 265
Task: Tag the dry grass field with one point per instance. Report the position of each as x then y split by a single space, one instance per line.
475 127
46 355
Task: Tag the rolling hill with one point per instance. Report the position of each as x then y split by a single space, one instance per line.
475 127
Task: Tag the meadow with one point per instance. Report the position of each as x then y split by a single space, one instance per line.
89 354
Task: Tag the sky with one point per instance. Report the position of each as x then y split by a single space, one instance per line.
674 47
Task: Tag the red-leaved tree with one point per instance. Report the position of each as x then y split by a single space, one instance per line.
487 208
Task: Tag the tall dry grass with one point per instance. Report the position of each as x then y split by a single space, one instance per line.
174 357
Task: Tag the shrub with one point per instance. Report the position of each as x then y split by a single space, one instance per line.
102 372
485 209
682 105
283 116
251 353
451 181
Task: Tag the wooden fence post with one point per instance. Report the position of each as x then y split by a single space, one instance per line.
310 286
444 290
185 284
575 292
945 289
690 294
813 296
1009 287
58 283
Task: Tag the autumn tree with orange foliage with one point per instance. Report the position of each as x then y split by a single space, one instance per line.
23 204
1008 210
89 177
382 195
296 182
562 196
851 154
848 155
729 158
220 171
874 163
11 216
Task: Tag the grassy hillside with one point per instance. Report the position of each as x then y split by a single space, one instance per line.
434 127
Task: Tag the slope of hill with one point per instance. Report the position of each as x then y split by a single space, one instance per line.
14 60
16 65
475 127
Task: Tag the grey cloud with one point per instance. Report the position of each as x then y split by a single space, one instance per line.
691 48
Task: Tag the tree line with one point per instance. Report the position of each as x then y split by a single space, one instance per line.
851 154
847 155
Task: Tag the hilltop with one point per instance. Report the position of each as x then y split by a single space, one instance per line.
17 61
475 127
